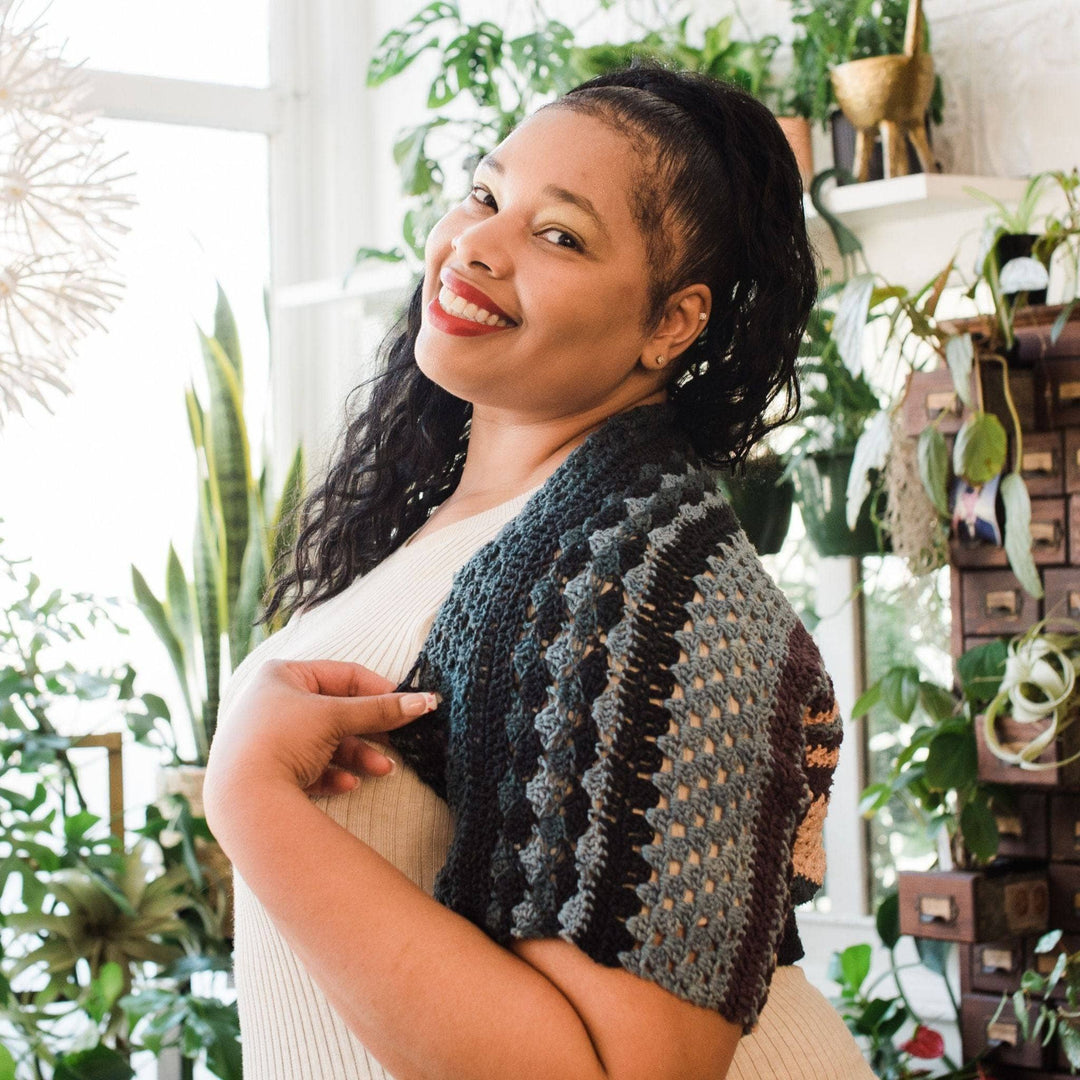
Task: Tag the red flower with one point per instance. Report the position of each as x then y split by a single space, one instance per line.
925 1043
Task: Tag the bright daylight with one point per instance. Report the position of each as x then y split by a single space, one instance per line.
539 540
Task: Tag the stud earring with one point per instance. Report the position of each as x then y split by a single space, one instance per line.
659 360
702 316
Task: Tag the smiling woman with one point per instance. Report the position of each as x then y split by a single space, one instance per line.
564 811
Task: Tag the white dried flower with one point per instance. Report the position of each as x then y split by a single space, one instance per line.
60 209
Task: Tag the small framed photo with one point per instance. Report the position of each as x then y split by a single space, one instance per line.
974 512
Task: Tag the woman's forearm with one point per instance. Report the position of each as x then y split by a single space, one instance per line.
428 993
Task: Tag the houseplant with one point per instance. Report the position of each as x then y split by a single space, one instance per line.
91 919
487 82
832 32
880 1018
1054 1017
844 427
935 772
208 623
762 496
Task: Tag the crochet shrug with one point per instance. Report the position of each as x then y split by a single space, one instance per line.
636 735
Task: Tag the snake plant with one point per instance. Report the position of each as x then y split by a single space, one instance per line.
208 622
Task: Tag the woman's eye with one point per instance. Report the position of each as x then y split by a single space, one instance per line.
483 196
562 239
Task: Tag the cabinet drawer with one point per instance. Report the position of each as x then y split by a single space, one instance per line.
1057 392
1065 827
996 966
1023 826
928 396
980 1031
994 604
1072 459
1064 879
972 906
1013 735
1042 463
1062 601
1049 534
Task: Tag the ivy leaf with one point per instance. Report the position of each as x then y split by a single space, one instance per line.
855 965
867 700
960 355
979 828
980 449
933 458
952 762
1048 942
1014 495
888 919
900 691
981 670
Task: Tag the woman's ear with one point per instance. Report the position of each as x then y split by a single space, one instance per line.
686 315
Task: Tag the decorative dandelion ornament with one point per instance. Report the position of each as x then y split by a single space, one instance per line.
60 206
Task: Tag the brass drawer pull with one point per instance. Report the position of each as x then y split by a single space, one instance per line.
1001 1031
937 909
1046 532
1040 461
1010 825
944 401
1001 602
997 960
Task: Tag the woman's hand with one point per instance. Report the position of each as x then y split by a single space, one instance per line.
310 722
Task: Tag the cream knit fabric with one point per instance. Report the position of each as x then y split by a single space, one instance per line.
289 1031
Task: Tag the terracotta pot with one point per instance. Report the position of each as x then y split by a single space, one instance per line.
797 131
187 780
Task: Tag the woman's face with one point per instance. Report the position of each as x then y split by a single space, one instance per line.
547 250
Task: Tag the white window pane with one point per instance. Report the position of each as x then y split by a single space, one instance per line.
224 41
109 479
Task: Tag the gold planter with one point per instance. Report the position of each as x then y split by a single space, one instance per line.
890 95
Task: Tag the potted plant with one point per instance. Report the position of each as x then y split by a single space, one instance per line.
935 772
207 623
833 32
95 915
762 495
878 1017
502 79
845 427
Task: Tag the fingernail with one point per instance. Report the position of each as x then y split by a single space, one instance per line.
392 766
418 704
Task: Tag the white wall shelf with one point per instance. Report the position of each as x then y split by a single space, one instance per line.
910 226
919 195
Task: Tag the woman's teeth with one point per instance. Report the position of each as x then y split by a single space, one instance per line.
459 306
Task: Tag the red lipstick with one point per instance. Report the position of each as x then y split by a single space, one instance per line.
449 323
472 294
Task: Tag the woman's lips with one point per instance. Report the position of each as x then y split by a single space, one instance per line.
460 287
454 324
447 311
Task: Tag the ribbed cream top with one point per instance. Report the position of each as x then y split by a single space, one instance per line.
289 1030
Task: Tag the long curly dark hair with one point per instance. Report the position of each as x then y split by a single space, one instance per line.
720 204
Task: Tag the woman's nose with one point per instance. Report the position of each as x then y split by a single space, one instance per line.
479 245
